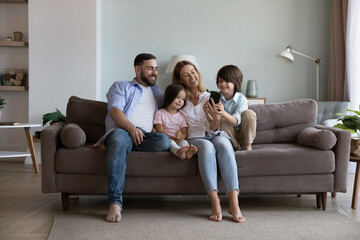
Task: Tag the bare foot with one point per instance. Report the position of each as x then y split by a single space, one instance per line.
191 151
216 214
236 214
182 152
247 147
99 146
114 213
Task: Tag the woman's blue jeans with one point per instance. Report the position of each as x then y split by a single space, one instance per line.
119 145
212 152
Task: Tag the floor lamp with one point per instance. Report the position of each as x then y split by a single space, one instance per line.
287 54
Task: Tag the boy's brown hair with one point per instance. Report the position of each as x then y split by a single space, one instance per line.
231 73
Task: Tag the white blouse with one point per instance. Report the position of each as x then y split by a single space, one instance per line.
195 116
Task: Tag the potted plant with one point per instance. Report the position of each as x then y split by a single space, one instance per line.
2 104
54 117
352 124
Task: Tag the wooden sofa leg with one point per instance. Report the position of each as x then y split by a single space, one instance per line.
318 200
65 201
333 195
323 200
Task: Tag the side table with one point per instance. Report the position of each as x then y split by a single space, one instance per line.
27 127
355 195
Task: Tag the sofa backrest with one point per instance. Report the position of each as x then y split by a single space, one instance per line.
89 114
281 122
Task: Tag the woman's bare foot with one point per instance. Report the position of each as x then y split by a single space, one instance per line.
234 208
247 147
182 152
114 214
216 214
191 151
236 215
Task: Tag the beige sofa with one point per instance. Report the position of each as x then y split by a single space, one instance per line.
291 155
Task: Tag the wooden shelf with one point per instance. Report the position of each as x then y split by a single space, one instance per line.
13 43
13 88
13 1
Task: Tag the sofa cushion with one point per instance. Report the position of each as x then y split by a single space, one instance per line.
86 160
281 122
89 114
321 139
72 136
284 159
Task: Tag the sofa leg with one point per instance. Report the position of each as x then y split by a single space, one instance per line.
65 201
318 200
333 195
323 200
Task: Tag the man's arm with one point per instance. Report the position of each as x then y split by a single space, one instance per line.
137 136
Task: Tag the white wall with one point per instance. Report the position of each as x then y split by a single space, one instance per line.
246 33
62 54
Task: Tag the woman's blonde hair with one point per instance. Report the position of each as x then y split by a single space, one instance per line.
176 75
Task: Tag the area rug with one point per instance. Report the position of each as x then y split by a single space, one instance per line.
186 225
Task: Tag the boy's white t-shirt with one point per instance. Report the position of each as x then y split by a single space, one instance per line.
143 114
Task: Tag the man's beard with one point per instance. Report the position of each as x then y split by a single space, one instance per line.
146 79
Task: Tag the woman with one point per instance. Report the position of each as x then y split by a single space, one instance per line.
214 146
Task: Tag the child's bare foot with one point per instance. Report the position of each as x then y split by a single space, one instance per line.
216 214
99 146
236 214
191 151
114 213
247 147
182 152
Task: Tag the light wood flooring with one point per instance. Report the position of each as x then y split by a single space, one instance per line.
26 213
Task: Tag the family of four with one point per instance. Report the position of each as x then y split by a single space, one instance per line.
142 118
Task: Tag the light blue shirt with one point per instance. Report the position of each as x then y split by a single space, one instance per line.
235 106
125 95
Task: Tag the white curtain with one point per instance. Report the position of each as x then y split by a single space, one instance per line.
353 53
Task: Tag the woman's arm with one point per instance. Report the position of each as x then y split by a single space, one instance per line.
212 116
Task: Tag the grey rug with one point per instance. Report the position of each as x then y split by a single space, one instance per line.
175 225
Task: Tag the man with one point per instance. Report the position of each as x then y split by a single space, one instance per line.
129 124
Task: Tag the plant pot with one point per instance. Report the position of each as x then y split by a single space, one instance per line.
18 36
355 146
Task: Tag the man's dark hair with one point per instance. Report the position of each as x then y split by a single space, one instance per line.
139 59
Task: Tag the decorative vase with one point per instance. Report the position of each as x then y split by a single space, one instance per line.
18 36
251 89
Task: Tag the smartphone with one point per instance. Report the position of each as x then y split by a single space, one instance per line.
215 96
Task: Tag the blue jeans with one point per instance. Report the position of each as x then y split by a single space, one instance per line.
119 145
213 151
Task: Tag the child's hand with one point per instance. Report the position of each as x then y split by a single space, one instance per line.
219 108
178 134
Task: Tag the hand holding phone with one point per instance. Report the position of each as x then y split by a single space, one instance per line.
215 96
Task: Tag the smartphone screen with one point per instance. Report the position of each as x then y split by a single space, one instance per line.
215 96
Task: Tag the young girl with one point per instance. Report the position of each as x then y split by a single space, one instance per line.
233 108
170 121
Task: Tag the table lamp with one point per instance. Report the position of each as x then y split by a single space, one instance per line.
177 58
287 54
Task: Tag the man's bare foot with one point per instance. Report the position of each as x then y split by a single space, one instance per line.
182 152
191 151
114 213
99 146
236 214
247 147
216 214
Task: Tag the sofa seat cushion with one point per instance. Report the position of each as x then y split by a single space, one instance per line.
284 159
85 160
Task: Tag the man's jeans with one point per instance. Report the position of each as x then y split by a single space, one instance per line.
119 145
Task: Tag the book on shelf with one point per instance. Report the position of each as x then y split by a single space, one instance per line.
9 123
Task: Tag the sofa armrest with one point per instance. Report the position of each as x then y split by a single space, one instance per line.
342 153
50 142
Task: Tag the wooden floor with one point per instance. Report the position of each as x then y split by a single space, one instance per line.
26 213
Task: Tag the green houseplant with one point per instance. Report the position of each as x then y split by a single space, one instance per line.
54 117
350 122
